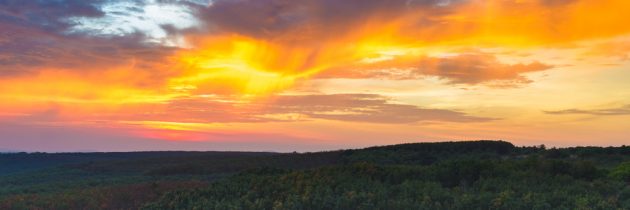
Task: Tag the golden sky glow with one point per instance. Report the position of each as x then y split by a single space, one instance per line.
310 75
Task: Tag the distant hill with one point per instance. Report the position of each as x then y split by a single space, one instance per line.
4 151
20 162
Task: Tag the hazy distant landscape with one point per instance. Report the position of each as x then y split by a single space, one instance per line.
450 175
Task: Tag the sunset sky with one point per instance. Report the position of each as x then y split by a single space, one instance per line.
309 75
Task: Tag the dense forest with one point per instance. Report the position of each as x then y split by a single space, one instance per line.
447 175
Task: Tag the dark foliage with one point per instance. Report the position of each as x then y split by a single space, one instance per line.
449 175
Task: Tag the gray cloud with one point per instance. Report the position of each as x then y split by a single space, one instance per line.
47 14
28 49
307 18
35 34
557 2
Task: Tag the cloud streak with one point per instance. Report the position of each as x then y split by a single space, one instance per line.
364 108
370 108
466 68
623 110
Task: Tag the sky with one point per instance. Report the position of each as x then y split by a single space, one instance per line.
311 75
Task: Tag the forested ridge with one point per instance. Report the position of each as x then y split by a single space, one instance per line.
447 175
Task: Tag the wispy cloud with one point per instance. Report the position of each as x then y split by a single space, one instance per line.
623 110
